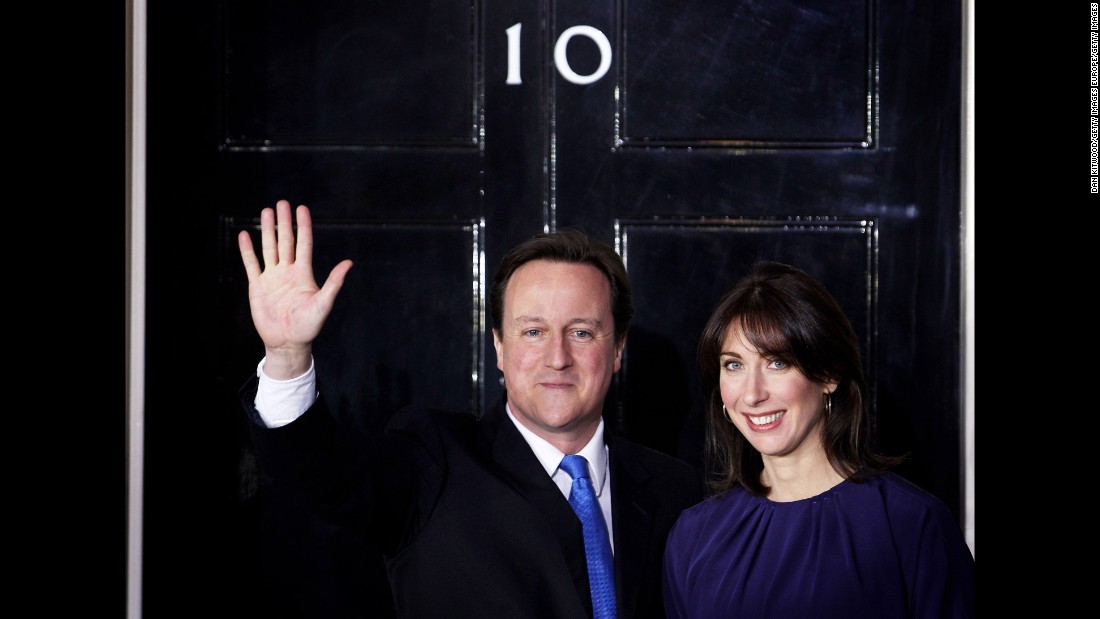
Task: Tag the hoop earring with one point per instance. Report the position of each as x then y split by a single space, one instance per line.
828 404
727 414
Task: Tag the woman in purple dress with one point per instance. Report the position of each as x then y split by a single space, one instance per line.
804 518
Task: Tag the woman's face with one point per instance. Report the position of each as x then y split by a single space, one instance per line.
770 401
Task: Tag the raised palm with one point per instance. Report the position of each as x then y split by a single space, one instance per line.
288 309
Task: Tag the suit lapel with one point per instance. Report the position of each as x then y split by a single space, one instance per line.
508 454
633 511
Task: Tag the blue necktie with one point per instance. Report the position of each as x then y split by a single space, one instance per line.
597 544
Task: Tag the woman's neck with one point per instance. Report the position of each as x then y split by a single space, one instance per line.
798 476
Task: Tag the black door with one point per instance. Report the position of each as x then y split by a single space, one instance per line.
428 137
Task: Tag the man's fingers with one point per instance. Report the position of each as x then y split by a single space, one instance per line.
277 239
334 282
248 254
285 231
304 252
267 238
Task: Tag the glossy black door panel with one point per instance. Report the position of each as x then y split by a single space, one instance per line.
430 136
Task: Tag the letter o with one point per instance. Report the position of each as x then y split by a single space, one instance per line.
562 63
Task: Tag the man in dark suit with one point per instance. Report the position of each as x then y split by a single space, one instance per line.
471 514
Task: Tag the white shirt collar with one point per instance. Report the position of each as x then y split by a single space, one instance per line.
550 457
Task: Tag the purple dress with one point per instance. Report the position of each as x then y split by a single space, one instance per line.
880 549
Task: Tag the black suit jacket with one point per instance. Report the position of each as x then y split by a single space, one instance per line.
468 521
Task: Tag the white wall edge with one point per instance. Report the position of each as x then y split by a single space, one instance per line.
135 298
968 270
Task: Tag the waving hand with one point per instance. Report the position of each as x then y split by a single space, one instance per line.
288 309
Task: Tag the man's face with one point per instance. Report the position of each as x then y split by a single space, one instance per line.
556 347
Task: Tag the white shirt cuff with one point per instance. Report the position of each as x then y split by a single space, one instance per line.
280 402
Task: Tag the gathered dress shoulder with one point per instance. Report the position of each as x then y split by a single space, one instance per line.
882 548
